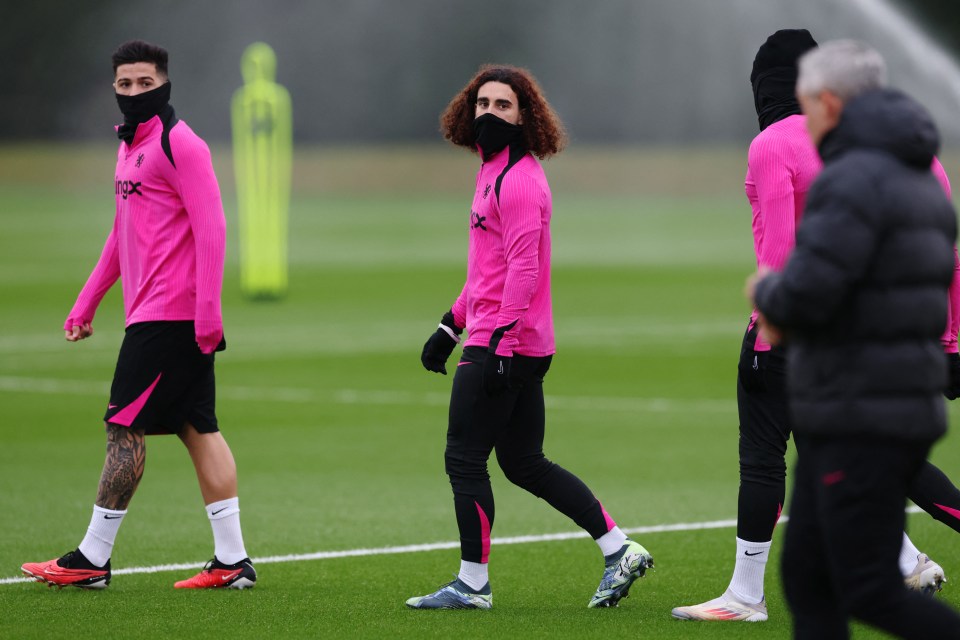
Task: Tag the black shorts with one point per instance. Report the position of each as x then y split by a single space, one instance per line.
162 380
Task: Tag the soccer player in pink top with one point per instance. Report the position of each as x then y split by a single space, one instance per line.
781 165
167 246
497 397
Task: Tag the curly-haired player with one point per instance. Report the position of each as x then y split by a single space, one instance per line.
497 397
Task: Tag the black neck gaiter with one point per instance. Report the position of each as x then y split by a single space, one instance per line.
493 134
774 95
140 108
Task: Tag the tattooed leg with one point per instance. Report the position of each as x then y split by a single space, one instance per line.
123 468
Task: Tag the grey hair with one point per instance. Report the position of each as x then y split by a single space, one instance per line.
845 68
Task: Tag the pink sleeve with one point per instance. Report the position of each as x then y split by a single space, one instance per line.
459 308
101 279
200 194
953 309
941 175
770 165
521 221
949 338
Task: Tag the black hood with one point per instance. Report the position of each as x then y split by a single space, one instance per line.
885 119
781 51
774 75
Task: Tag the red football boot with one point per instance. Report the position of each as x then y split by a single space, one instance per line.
70 570
216 575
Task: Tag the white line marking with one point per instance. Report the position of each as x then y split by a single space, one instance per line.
56 386
417 548
597 331
432 546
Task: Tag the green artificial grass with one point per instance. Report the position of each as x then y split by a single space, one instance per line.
338 432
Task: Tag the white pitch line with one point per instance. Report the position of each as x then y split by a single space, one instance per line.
55 386
418 548
433 546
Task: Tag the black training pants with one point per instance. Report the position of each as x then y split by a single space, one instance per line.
764 431
513 425
842 543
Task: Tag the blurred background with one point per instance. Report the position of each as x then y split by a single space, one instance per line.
618 71
651 246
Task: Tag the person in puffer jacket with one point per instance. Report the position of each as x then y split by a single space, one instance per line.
862 303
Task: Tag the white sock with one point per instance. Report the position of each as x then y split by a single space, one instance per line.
473 574
611 541
908 555
227 537
97 545
746 584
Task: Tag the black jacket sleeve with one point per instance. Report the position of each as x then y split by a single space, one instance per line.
836 242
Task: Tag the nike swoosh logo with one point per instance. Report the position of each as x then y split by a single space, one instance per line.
112 406
747 553
112 517
219 510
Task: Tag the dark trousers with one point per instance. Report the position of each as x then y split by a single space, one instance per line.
842 544
512 424
764 433
933 492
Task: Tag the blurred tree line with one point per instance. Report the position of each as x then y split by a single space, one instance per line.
941 17
622 71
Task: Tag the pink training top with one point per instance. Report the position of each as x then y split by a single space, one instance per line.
508 264
169 235
949 338
781 165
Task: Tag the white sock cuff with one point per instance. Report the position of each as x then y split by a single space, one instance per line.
474 574
223 508
97 544
748 544
908 555
611 541
115 515
749 570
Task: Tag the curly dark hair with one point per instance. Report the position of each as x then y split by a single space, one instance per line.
543 132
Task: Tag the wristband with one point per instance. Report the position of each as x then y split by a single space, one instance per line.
449 332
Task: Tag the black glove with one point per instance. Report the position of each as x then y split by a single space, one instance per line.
496 374
438 348
952 392
496 369
752 367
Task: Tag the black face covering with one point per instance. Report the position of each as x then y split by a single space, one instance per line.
140 108
774 95
493 134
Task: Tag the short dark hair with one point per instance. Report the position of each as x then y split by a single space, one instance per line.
134 51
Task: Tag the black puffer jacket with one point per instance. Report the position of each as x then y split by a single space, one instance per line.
863 298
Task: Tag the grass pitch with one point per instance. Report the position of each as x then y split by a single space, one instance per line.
339 433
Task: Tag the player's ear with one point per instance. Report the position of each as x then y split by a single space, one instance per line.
833 104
